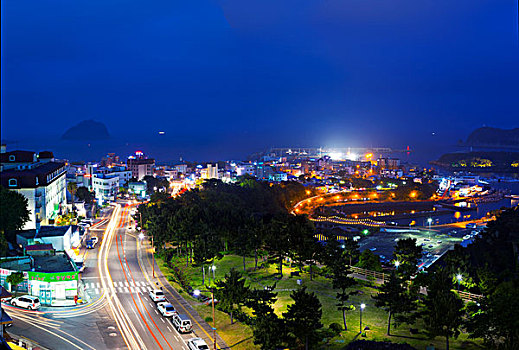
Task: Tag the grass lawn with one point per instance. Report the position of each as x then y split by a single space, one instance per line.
239 336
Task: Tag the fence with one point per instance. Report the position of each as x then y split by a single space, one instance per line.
383 277
371 274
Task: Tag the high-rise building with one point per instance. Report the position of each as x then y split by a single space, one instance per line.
140 165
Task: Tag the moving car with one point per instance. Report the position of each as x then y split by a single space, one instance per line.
197 344
157 295
27 302
182 323
91 243
166 309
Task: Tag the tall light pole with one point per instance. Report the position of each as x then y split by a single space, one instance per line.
153 256
429 220
362 306
196 293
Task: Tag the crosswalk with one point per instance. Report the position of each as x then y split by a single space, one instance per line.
120 287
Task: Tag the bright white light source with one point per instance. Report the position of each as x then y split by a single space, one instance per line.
336 155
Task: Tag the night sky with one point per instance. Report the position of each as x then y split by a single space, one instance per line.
226 78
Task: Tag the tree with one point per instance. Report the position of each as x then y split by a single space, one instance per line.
369 261
4 246
495 318
443 309
351 249
154 184
14 279
72 188
393 298
336 260
304 246
267 328
84 195
303 317
407 254
13 212
231 292
277 239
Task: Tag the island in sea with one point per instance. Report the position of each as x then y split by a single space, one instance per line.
87 130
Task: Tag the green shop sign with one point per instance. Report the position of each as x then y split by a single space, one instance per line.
52 277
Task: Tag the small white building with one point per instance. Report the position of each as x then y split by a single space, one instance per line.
62 238
106 187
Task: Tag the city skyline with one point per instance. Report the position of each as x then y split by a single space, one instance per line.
213 76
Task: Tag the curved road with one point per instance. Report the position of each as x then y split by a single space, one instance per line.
121 315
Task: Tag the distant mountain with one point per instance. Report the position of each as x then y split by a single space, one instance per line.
480 161
87 130
494 137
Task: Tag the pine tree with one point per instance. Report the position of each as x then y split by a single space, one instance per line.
231 292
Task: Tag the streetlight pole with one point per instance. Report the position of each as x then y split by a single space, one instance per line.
362 306
196 293
459 277
214 320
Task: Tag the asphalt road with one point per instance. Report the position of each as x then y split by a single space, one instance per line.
117 279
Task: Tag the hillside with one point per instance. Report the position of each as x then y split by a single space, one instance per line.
480 161
87 130
494 137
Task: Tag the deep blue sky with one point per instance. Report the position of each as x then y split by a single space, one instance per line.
228 77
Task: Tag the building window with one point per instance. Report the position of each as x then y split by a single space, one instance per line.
13 182
12 158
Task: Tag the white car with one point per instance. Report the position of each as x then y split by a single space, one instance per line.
197 344
27 302
157 295
166 309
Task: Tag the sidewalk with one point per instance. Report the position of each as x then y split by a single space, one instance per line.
161 281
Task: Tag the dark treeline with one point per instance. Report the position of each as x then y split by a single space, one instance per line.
242 218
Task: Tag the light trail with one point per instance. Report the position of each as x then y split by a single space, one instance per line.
126 327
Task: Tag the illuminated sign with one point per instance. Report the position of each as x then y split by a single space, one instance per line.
52 277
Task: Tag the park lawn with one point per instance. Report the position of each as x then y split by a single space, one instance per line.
238 335
373 317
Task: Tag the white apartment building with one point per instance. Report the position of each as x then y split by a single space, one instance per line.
44 186
106 187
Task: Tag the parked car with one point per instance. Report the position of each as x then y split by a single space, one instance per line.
27 302
197 344
166 309
157 295
80 266
182 323
209 300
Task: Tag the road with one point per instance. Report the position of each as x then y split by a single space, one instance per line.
121 315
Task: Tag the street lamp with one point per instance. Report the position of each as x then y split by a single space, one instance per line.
459 277
214 269
429 220
196 293
362 306
397 263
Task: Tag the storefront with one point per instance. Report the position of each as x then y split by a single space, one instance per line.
54 287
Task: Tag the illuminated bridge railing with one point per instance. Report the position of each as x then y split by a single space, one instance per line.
347 221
